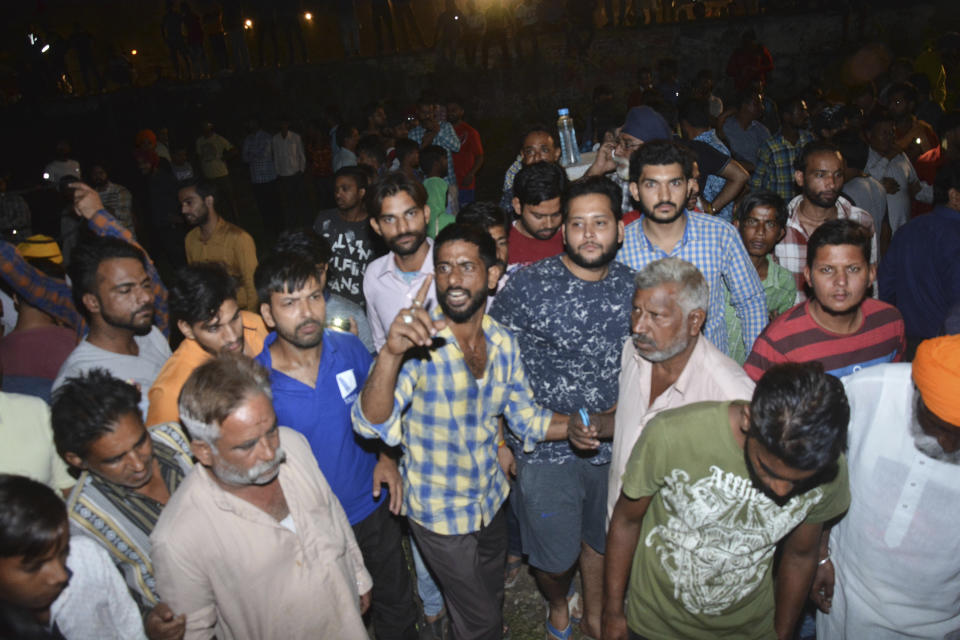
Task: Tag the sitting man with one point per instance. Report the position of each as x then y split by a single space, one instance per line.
891 567
711 490
204 303
840 326
127 473
437 388
254 544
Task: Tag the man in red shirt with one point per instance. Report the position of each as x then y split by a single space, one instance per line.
536 201
469 159
948 150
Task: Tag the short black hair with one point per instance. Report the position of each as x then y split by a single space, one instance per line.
537 128
32 519
812 148
594 184
357 173
483 214
467 233
283 272
404 147
304 242
392 184
204 188
948 177
756 199
696 112
660 152
875 117
538 182
854 149
372 145
800 414
836 232
430 155
86 406
906 89
199 290
86 260
343 132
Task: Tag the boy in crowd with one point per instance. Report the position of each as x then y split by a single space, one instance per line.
433 163
761 220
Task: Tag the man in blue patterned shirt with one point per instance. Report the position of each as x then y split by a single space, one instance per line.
570 316
436 389
432 131
774 171
659 176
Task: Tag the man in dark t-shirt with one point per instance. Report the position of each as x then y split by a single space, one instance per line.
347 229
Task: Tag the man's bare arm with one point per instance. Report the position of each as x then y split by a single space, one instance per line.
621 545
798 564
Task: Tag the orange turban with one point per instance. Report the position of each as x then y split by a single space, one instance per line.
936 372
145 135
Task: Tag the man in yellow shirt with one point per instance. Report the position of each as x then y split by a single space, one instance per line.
204 303
213 239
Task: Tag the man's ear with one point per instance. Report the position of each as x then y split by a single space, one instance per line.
517 209
209 202
634 191
798 178
267 315
91 302
426 213
74 460
806 276
375 225
953 199
620 231
186 330
202 452
695 320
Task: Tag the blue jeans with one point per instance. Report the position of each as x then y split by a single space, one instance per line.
426 587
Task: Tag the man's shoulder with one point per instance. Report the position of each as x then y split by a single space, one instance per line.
716 228
726 378
18 408
346 346
701 416
877 312
796 318
231 229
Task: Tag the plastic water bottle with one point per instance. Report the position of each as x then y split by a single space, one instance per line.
570 153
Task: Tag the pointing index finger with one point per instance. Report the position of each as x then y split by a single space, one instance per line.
424 289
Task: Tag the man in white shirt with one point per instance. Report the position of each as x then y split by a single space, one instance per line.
891 567
399 214
892 168
62 165
290 161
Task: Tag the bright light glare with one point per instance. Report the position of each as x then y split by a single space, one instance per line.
133 52
308 15
248 24
918 141
32 38
46 48
46 176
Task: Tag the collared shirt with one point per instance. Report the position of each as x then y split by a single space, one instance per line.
120 520
118 201
321 413
236 572
232 246
28 442
447 138
791 252
446 422
288 154
920 272
387 292
258 153
164 393
55 297
715 248
745 143
344 158
708 375
774 171
899 168
781 293
896 552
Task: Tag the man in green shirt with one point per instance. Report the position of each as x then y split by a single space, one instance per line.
709 492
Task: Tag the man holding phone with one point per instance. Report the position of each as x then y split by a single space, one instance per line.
315 376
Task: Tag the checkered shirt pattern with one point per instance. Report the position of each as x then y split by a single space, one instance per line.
714 247
791 252
774 171
446 421
447 138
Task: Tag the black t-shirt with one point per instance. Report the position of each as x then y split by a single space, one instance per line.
354 245
710 161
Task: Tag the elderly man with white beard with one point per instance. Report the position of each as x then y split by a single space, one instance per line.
891 567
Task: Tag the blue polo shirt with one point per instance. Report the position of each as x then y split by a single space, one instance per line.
322 415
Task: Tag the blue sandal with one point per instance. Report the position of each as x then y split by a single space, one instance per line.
553 634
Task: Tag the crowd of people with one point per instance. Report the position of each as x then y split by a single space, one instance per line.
711 370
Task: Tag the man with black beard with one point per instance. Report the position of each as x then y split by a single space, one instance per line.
112 289
315 377
213 239
567 313
437 389
660 173
399 214
891 567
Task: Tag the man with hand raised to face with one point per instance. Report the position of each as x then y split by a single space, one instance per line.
437 388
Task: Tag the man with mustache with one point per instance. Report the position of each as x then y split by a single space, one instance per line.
819 172
710 492
660 172
667 364
204 303
254 544
437 389
840 326
572 358
398 213
536 201
890 567
315 376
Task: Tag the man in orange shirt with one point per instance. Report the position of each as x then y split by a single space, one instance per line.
204 303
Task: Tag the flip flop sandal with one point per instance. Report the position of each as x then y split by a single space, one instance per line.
553 634
512 573
575 608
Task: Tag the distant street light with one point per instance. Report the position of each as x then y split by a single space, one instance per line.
45 48
308 16
133 52
248 24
